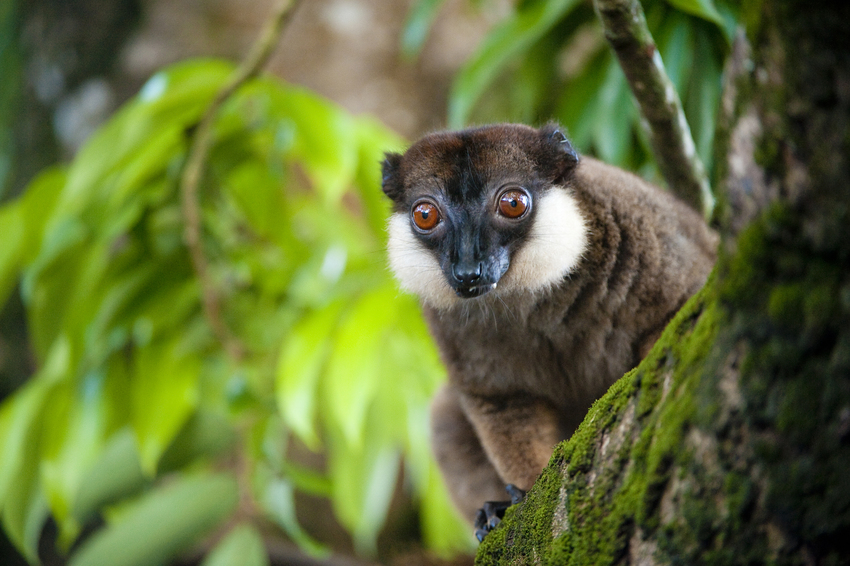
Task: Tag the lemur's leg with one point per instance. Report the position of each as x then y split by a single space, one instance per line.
469 475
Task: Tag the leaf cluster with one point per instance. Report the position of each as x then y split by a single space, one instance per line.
549 60
138 419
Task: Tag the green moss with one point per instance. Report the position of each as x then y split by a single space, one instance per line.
793 383
785 304
532 535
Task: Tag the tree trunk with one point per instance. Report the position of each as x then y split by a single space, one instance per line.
730 443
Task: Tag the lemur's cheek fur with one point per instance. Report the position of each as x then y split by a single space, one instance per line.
553 247
415 267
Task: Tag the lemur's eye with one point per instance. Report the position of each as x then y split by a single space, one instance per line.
426 216
513 203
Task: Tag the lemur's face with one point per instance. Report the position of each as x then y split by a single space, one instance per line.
483 210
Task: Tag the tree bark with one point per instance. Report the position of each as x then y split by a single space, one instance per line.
730 443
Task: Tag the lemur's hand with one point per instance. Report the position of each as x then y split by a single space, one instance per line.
492 512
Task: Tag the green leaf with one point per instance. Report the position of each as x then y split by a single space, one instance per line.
278 499
14 230
320 136
73 433
612 135
22 225
162 523
307 480
443 529
364 479
704 9
703 98
20 427
354 368
26 511
21 497
305 351
205 435
163 393
117 473
730 12
266 440
579 107
58 282
676 47
119 291
512 37
374 140
419 21
170 102
535 79
165 305
411 373
256 192
379 488
243 545
39 203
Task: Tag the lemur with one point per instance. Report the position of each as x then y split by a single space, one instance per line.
544 277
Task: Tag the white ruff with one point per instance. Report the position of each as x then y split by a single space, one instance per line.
552 248
551 251
415 267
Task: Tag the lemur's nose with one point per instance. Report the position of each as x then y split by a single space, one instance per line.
467 274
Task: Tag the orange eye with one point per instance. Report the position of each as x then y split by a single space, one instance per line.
513 203
426 216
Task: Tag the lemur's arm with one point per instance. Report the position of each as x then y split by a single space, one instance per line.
517 433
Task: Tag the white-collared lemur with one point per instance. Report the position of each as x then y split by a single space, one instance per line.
544 277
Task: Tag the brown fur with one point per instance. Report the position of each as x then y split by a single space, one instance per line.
524 367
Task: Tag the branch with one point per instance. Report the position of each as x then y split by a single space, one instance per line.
625 29
193 170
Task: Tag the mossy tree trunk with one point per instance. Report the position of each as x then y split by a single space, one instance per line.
730 443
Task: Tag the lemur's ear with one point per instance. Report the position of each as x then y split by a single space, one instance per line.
563 154
390 181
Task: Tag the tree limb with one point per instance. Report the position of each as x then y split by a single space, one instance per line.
199 149
672 143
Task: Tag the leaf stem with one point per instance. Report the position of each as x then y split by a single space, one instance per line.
672 143
201 141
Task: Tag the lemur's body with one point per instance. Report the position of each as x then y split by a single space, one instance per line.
544 279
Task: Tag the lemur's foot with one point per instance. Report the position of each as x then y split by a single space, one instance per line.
492 512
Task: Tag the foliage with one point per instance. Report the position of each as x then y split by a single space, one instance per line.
137 415
549 60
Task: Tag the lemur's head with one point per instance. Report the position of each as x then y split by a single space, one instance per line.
483 209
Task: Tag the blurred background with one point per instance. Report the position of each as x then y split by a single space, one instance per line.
287 425
82 58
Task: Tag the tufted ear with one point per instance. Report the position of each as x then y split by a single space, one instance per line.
390 175
564 156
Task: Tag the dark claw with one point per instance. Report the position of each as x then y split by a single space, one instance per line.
492 512
480 519
516 493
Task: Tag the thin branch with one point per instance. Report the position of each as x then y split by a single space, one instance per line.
193 170
625 28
